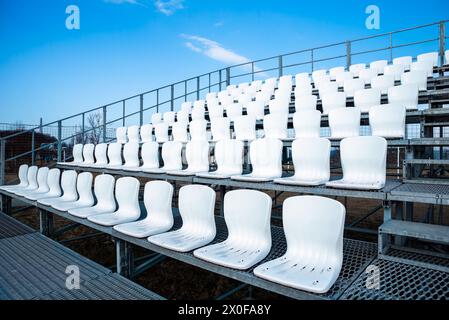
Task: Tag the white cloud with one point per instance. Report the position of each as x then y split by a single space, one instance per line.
192 47
219 24
121 1
169 7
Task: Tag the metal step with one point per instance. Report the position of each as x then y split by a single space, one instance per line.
424 231
427 161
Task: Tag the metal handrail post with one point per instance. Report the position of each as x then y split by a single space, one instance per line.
348 54
141 110
442 35
228 76
280 66
104 124
172 97
33 157
2 161
59 141
124 113
197 88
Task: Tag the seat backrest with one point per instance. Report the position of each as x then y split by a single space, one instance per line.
104 193
303 90
280 105
215 111
263 97
197 156
150 155
314 225
307 123
311 158
383 83
356 68
333 72
351 86
234 110
220 128
211 95
161 132
101 154
199 104
247 215
169 117
406 95
88 153
306 102
115 154
257 84
198 130
368 166
302 78
157 197
266 157
424 65
42 179
323 80
156 118
327 87
226 100
187 106
417 77
405 61
276 126
388 120
431 57
134 134
318 74
245 128
53 182
198 112
182 116
84 187
131 154
23 175
333 100
378 66
146 133
121 134
179 131
256 109
366 98
127 196
344 122
68 185
368 74
172 155
229 157
344 76
395 70
244 98
77 153
196 206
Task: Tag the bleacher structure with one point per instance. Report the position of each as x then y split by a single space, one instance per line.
321 134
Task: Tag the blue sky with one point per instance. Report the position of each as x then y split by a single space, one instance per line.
124 47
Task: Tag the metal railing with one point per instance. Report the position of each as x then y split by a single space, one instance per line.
165 98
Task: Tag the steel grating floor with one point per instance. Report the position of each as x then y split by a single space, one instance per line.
402 253
418 189
10 227
399 281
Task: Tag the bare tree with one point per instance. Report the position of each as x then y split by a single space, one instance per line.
95 127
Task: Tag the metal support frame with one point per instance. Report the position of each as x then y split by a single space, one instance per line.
124 258
442 38
59 140
144 266
104 124
348 54
141 110
2 161
46 224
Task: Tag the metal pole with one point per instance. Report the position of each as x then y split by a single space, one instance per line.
2 161
157 101
209 82
124 113
197 88
59 140
33 157
219 80
172 97
104 124
312 59
83 127
252 71
228 76
185 90
141 110
280 66
348 54
41 122
391 47
442 28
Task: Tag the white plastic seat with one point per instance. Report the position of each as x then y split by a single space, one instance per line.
417 77
226 100
104 193
146 133
275 126
245 128
199 104
53 190
333 100
344 76
424 65
32 184
212 102
121 135
68 186
229 159
101 156
157 197
306 102
266 159
114 155
134 134
247 215
171 156
256 109
263 97
405 61
88 155
302 78
77 153
311 159
198 113
344 123
368 74
367 98
131 156
318 74
187 106
395 70
196 207
351 86
431 57
150 157
211 95
161 132
251 91
215 111
231 88
279 106
169 117
182 116
156 118
333 72
322 80
197 156
388 120
23 179
42 185
363 160
378 66
357 68
234 110
257 84
244 98
283 94
179 132
307 123
303 90
406 95
446 56
383 83
84 189
127 196
198 130
327 87
313 228
220 128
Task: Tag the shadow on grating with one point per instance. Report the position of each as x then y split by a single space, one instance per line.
10 227
418 256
